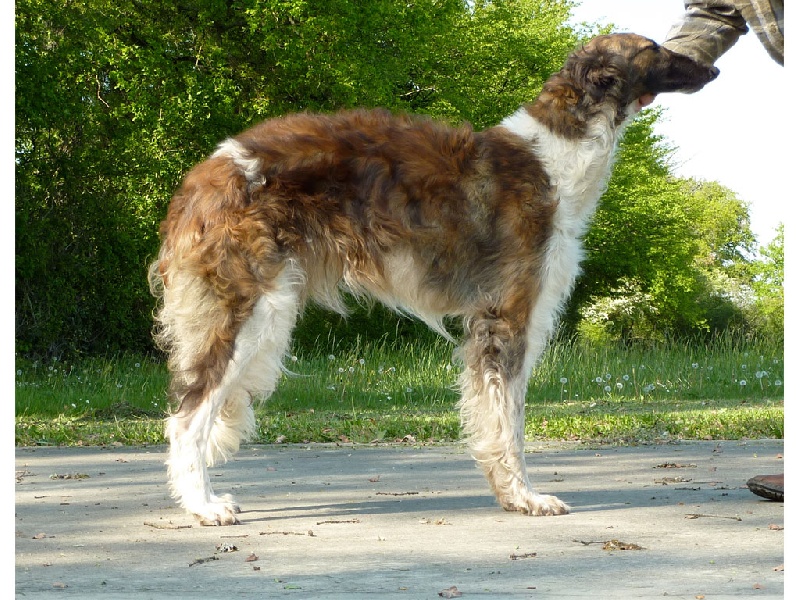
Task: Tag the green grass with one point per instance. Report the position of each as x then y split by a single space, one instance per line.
729 389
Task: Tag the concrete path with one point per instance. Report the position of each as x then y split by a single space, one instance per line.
410 522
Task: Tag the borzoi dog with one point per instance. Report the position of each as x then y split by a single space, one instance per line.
429 219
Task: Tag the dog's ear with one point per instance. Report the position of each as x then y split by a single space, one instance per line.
602 81
602 76
595 73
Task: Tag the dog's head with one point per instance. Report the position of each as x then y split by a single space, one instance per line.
629 70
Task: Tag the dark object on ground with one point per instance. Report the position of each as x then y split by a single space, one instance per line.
767 486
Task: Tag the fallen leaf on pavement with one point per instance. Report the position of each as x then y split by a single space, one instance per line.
334 521
617 545
451 592
427 521
166 525
70 476
699 515
200 561
669 480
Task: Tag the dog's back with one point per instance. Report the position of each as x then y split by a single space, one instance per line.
400 207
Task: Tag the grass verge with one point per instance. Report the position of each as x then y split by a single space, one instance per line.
729 389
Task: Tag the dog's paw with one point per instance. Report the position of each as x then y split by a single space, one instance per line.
222 510
544 505
536 505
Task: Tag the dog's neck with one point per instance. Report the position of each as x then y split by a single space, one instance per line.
567 110
576 147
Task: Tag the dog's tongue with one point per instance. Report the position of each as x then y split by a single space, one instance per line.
646 99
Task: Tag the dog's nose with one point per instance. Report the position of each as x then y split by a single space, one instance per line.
713 72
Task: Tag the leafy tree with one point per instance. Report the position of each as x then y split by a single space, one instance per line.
115 100
659 245
767 283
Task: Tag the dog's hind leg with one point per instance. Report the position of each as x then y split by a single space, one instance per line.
216 414
498 357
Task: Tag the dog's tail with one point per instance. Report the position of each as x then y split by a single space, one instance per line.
208 276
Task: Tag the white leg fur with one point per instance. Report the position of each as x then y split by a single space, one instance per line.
493 416
215 429
507 472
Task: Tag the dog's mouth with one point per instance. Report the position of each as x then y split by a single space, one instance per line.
644 100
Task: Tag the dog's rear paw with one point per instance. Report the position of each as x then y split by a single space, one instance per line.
222 510
537 505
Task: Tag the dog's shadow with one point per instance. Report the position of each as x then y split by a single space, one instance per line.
425 506
437 507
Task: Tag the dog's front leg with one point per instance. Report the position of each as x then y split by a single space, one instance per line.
492 406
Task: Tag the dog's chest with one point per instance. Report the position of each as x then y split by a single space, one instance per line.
578 169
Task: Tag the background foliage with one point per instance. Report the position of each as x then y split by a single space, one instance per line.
115 100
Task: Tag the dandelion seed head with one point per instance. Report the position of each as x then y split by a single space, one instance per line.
331 357
743 382
607 389
626 377
563 380
598 380
361 361
695 365
620 385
